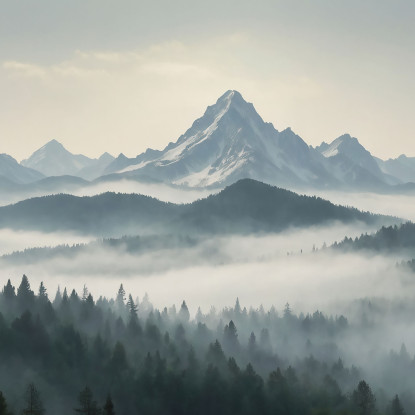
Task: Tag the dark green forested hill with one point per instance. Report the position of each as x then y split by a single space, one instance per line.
246 206
254 206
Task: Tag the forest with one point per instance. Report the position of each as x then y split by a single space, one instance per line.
245 207
72 353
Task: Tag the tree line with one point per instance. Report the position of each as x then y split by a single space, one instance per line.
123 356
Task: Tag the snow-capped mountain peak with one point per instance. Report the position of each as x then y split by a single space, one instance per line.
230 141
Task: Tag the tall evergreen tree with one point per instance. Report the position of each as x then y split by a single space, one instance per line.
184 314
396 407
58 297
131 307
108 407
85 293
87 404
33 403
42 292
25 296
120 297
9 292
363 399
3 405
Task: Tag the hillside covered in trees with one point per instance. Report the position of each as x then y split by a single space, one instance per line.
123 356
244 207
388 238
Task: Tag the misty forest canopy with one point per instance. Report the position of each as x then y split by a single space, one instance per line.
244 207
123 356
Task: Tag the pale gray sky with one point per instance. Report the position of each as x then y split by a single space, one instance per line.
124 75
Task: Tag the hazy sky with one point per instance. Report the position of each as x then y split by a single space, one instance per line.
124 75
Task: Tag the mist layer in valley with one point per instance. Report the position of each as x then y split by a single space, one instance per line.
349 310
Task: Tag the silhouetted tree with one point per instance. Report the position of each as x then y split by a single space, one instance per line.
184 314
9 292
42 292
230 338
3 405
396 407
108 407
363 399
85 293
120 297
87 404
33 403
131 307
252 343
58 297
25 296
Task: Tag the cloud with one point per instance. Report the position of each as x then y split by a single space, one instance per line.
25 70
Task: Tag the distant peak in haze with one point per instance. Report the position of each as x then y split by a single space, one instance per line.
230 95
53 145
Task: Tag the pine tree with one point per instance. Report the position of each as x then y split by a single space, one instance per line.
396 407
33 403
88 405
230 337
132 308
133 325
108 407
237 308
120 297
363 399
85 293
42 292
58 297
3 405
184 314
252 343
25 296
9 292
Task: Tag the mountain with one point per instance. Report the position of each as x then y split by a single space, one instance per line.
96 167
402 168
12 171
232 142
246 206
229 142
54 160
351 164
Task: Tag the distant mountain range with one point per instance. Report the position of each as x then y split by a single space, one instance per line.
244 207
11 171
229 142
54 160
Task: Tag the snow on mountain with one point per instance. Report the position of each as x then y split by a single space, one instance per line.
13 171
352 164
54 160
229 142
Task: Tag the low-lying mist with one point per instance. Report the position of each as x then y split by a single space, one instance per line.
269 270
399 205
163 192
14 240
365 302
